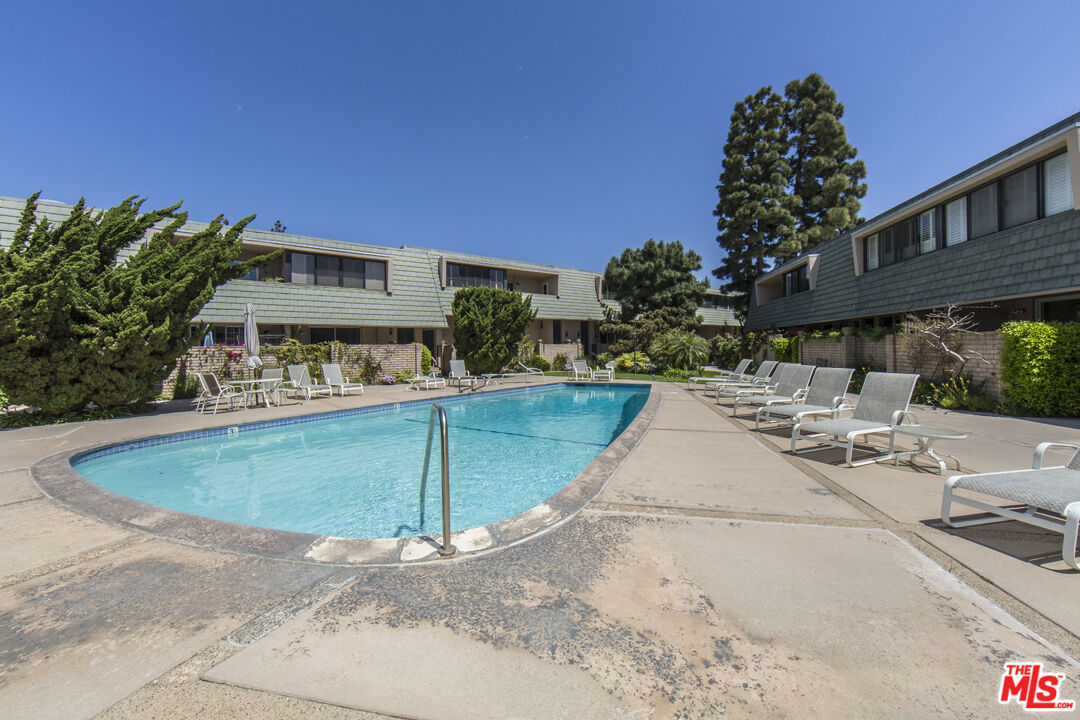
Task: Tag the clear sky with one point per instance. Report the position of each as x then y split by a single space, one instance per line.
554 132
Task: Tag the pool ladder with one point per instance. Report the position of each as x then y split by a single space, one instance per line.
437 411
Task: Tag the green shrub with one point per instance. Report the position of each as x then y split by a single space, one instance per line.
959 394
403 376
560 362
786 349
425 360
682 350
294 352
1040 368
727 350
189 388
603 359
539 363
625 362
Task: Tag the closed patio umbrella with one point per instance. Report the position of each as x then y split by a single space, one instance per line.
251 337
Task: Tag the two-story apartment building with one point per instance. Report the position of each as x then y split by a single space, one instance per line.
1002 237
321 290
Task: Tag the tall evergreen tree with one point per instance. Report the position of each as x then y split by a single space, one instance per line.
654 276
755 213
77 325
825 177
489 325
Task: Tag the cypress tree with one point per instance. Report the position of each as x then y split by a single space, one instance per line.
755 213
489 325
825 177
81 324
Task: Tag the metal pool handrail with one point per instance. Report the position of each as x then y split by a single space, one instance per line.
446 550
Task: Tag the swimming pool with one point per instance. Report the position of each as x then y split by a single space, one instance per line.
357 473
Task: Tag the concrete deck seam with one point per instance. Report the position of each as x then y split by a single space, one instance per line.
24 500
72 560
630 509
273 618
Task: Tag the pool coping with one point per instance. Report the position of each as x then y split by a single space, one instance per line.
57 478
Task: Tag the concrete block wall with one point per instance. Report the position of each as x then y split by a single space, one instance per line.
548 351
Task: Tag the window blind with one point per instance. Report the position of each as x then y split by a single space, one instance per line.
871 252
1057 185
984 217
956 222
927 232
1020 202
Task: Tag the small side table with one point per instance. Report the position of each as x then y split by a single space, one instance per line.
926 435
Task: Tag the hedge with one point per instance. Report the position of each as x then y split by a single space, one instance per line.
1040 368
786 349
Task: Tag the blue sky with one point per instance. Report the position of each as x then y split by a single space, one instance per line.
557 132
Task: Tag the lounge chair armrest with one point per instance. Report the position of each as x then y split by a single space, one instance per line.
1037 461
799 395
899 415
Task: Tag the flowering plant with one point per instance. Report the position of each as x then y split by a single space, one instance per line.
388 380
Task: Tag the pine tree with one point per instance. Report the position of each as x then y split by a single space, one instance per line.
755 212
654 276
826 177
489 325
78 325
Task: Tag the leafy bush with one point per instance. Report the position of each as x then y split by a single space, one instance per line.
786 349
184 387
561 362
4 402
489 325
625 362
959 394
876 333
727 350
539 363
80 325
403 376
294 352
368 368
1040 368
834 335
26 418
681 350
425 360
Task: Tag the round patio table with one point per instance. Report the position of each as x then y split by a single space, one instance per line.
927 435
258 386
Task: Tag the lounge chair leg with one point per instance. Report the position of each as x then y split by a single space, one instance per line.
1072 533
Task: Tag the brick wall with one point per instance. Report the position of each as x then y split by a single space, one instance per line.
888 354
548 351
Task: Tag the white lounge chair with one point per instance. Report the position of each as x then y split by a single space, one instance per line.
431 380
739 373
825 396
766 374
459 374
790 387
301 381
526 370
282 388
332 376
211 389
881 407
582 370
1050 496
605 373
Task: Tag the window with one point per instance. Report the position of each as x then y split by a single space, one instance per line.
1057 186
796 281
230 335
1019 198
956 230
905 244
872 252
984 211
556 331
321 335
458 275
927 232
406 336
334 271
300 268
327 270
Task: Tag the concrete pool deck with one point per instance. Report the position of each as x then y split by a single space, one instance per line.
715 574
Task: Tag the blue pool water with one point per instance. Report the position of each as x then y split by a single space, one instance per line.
357 474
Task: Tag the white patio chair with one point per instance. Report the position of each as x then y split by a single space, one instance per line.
605 373
825 396
459 374
301 380
431 380
1050 497
881 407
211 389
332 376
525 369
581 370
789 388
739 373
